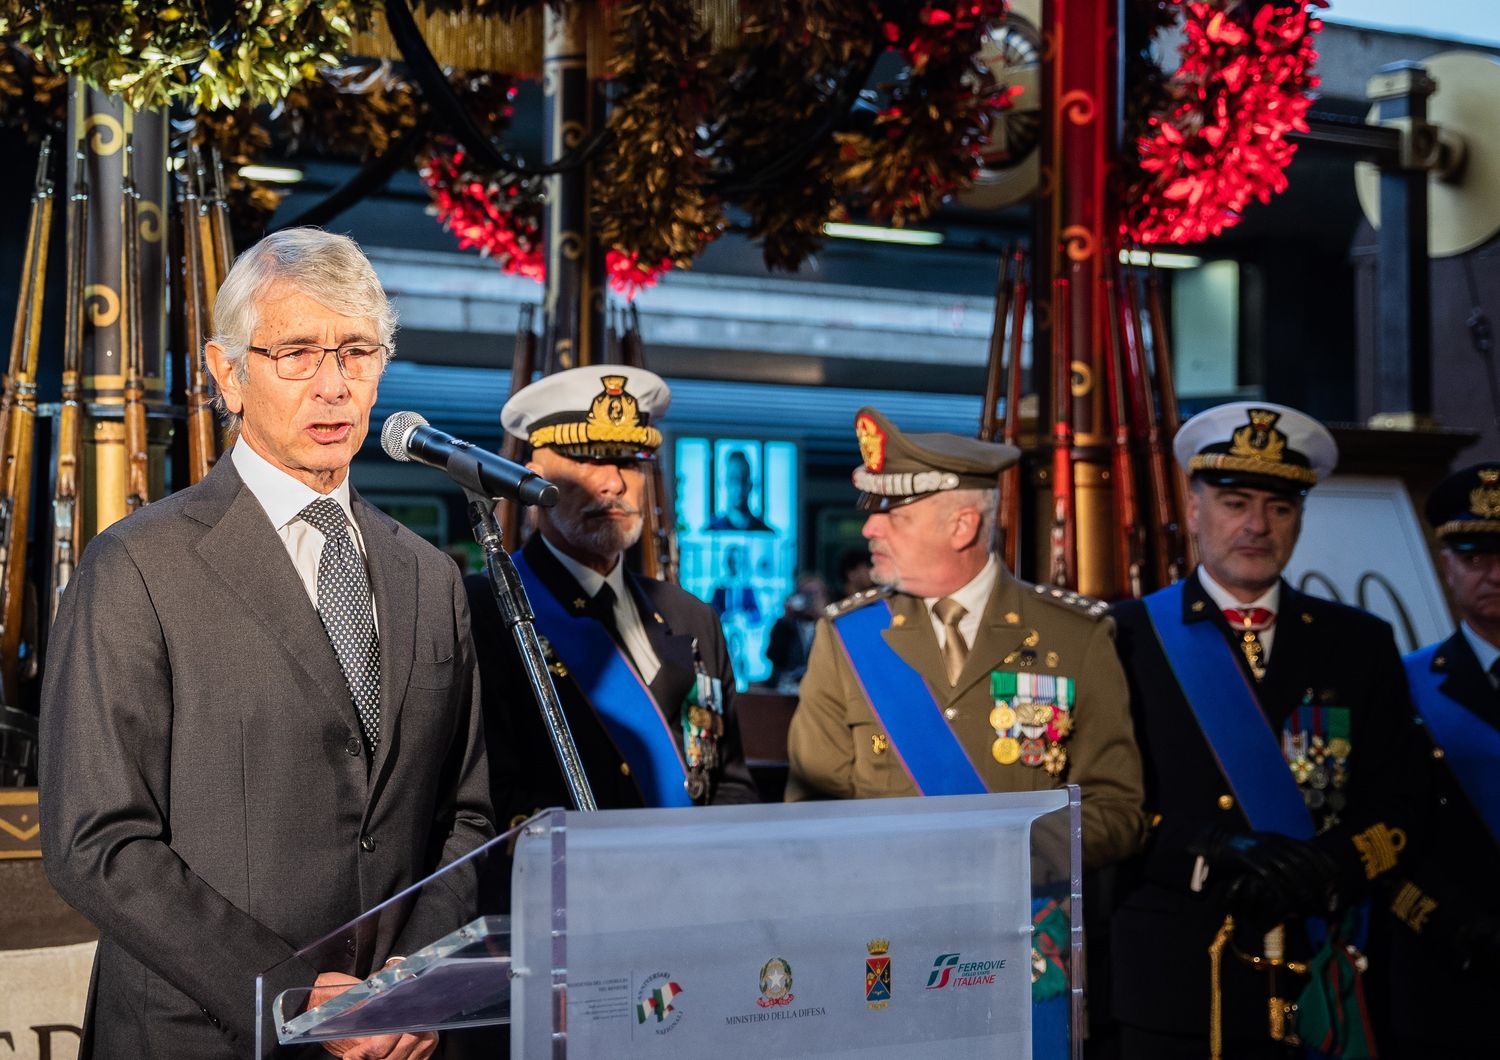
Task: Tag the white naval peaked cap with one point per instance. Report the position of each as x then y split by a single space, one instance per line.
1257 444
597 412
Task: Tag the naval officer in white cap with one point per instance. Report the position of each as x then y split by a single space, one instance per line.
1272 726
640 665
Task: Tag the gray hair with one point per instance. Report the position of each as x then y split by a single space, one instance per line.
330 269
985 500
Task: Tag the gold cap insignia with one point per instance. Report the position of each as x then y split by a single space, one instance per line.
1484 501
871 442
1259 439
614 418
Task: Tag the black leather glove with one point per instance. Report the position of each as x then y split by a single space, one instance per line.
1263 877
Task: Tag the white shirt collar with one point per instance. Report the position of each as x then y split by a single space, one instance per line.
1270 599
282 496
1486 652
976 593
588 579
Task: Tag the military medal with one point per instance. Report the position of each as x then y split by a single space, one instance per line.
702 726
1032 717
1315 742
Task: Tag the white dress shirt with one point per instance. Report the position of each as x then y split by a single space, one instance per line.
1225 600
283 498
973 596
627 615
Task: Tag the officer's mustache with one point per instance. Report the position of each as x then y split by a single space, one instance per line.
605 507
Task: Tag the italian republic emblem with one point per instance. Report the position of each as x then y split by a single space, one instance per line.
775 983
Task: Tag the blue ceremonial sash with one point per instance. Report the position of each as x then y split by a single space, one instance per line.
1248 752
615 692
904 704
1471 746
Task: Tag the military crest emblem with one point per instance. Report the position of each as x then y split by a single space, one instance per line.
871 442
1484 500
878 973
1259 439
614 405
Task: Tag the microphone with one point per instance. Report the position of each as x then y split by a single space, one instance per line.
407 436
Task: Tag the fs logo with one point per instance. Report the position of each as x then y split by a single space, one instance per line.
941 969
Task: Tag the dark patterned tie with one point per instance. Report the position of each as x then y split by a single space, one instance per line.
348 616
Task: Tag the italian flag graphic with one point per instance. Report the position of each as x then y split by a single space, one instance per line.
658 1004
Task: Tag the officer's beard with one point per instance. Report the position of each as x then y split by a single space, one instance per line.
594 531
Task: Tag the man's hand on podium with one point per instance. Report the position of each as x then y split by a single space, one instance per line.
381 1047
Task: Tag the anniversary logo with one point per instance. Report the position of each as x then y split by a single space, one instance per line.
776 997
655 1003
949 969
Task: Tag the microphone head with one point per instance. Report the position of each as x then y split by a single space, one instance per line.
397 429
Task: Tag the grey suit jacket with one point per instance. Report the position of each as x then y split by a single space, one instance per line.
205 796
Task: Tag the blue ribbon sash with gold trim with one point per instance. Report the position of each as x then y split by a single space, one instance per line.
615 693
1471 746
905 706
1220 697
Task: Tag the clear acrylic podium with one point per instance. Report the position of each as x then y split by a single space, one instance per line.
931 927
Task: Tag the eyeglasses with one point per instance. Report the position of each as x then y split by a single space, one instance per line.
299 360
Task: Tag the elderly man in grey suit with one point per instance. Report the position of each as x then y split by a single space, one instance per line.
261 715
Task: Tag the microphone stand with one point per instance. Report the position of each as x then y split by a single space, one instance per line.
515 612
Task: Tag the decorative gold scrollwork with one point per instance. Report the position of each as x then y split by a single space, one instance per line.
570 245
1078 242
1077 106
1081 379
106 136
150 220
103 303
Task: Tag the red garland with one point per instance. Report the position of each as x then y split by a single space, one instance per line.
484 215
1243 85
502 222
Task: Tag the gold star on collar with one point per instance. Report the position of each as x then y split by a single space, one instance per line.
579 603
1012 618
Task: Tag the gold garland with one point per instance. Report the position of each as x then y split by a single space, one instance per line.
155 52
651 204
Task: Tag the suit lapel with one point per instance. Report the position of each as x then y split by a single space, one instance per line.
910 636
1466 683
244 549
1285 682
393 583
1198 606
673 650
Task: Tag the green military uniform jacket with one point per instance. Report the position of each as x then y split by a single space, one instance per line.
838 748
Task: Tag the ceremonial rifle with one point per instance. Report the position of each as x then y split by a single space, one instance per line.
1158 472
66 522
220 232
1009 499
994 369
19 414
202 433
1063 564
137 452
1130 535
1161 352
512 448
659 540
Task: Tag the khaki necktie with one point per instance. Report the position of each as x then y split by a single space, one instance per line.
950 613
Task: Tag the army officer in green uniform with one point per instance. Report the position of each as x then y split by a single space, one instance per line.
954 676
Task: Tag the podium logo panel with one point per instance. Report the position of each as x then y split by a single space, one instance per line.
878 973
775 984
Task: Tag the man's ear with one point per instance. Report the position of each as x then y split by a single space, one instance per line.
225 378
966 524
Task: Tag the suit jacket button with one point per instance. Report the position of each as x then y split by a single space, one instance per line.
367 843
1226 802
624 769
353 747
